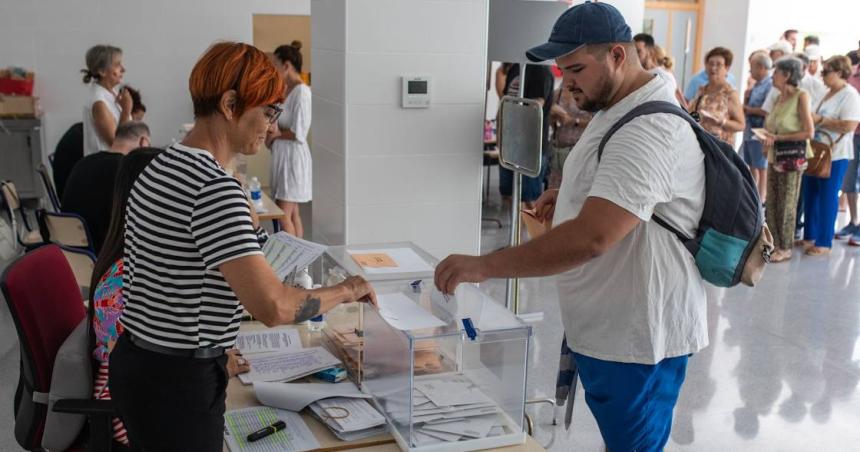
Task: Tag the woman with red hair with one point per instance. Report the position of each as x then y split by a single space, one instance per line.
192 261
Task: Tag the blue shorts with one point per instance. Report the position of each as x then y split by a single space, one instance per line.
851 183
632 403
753 154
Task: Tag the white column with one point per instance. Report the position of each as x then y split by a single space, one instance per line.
383 173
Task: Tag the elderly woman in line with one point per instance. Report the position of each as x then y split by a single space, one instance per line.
107 106
789 127
751 149
835 118
717 103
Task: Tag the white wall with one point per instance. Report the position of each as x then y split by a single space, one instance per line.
725 25
161 41
383 173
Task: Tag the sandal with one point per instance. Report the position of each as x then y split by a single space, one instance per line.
780 256
805 244
817 251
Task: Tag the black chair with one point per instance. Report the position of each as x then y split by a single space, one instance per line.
44 316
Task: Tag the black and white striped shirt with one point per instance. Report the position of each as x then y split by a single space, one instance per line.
185 217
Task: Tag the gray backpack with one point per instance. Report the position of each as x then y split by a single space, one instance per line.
72 379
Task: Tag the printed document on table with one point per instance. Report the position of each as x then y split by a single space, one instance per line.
408 261
404 314
296 396
286 253
270 340
348 415
287 366
238 424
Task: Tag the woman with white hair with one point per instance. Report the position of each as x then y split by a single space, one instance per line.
106 106
789 127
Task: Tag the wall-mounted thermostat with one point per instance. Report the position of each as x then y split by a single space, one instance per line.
415 91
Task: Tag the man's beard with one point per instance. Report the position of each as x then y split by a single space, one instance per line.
602 99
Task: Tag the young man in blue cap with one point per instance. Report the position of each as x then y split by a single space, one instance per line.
632 300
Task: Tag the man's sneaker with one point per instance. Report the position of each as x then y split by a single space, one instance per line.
855 239
847 231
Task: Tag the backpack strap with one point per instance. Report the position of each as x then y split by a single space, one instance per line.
649 108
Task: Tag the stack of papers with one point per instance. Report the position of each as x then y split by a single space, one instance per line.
452 409
296 396
268 340
287 254
349 418
287 365
240 423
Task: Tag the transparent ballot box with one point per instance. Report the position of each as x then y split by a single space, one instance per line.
448 372
384 261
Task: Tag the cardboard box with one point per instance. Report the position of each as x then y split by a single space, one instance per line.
18 106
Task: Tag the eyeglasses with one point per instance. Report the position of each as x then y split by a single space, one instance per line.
272 112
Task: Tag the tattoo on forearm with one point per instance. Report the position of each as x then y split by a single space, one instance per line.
308 309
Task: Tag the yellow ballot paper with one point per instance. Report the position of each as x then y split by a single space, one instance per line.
375 260
534 226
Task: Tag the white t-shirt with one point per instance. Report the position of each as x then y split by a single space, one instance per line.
812 85
844 105
644 299
92 141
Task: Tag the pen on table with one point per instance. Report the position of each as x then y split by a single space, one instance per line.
266 431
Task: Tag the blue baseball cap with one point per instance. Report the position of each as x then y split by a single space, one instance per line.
587 23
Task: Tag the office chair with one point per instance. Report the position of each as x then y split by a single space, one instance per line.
44 316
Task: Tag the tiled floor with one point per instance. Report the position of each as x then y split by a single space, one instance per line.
781 373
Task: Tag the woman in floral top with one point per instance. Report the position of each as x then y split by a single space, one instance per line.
717 103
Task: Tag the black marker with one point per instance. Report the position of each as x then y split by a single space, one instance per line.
266 431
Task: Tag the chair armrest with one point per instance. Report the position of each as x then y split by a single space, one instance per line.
89 407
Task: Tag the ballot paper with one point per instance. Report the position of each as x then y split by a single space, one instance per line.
296 396
288 365
270 340
402 313
449 393
294 438
286 253
406 259
473 427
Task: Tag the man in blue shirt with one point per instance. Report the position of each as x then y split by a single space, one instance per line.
751 149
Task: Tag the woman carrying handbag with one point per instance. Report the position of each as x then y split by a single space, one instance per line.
835 119
788 129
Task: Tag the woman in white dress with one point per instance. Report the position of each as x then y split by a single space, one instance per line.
106 107
291 157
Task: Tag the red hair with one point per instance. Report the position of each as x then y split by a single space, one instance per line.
236 66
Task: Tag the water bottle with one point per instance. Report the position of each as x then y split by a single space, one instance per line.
256 192
317 323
